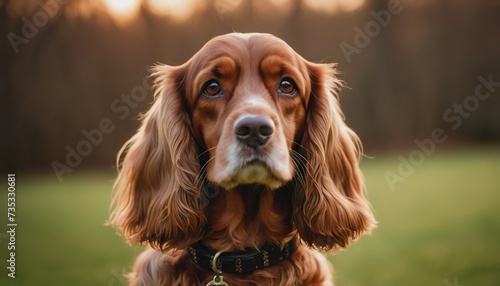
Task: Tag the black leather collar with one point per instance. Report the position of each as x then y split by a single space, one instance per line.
242 262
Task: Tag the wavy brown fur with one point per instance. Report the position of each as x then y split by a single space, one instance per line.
177 176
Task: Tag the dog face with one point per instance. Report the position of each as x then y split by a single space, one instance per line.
248 100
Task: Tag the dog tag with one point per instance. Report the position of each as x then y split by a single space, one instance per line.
218 280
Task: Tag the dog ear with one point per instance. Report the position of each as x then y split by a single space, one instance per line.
157 197
331 209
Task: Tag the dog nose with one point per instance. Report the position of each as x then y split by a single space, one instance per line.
254 131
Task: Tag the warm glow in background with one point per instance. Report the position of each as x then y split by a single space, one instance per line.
124 10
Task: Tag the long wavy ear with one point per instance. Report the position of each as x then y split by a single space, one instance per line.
156 197
331 209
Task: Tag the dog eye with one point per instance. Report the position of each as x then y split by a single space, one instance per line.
287 86
212 88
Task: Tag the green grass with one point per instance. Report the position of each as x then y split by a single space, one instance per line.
61 236
441 224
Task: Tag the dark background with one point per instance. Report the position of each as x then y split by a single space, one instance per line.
68 76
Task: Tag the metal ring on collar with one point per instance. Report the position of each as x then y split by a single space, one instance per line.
214 263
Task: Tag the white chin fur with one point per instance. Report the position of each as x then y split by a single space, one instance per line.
254 173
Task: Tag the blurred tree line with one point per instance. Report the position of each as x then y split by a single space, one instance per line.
82 76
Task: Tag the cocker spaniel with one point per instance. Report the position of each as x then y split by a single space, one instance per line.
243 168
